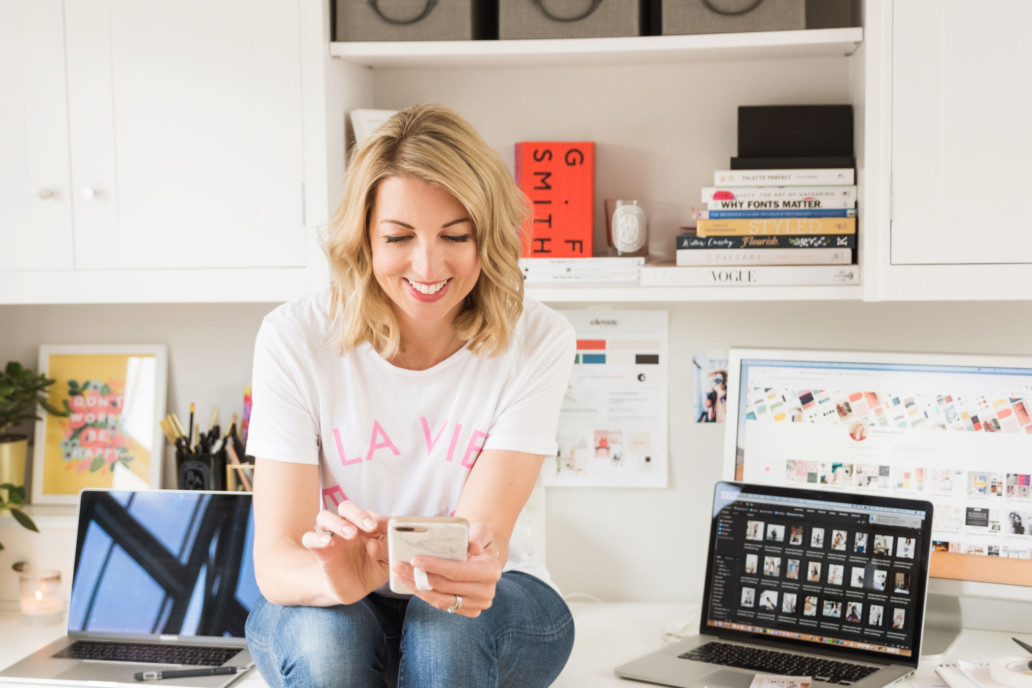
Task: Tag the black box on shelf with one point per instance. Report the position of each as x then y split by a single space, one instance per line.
832 14
808 162
730 16
778 131
571 18
412 20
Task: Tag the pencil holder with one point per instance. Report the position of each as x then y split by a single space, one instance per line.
200 470
240 477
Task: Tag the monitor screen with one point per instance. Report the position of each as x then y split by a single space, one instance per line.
953 429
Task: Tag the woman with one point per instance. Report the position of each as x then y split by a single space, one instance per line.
421 383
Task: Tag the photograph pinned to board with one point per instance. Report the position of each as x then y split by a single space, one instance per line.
710 388
115 396
613 422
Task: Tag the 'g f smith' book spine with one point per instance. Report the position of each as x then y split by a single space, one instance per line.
694 242
785 177
753 276
559 179
783 225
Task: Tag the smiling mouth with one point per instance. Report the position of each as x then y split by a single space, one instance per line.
427 289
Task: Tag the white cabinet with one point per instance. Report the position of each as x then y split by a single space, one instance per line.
35 205
955 151
176 168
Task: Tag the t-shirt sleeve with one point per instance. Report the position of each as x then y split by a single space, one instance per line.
529 420
283 424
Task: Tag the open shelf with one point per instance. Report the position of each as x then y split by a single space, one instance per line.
610 293
622 50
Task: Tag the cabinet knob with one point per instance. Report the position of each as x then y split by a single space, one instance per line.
46 194
88 192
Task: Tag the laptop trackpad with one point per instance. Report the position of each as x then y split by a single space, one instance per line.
725 677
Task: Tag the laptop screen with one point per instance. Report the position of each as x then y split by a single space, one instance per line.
163 562
818 568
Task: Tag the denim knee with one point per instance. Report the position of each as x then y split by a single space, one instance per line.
316 646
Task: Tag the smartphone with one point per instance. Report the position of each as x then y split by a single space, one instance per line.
446 537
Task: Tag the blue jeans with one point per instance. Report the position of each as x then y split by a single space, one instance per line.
523 640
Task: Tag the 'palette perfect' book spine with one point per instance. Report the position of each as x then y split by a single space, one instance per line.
785 176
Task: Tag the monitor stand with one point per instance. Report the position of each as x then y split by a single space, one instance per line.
942 624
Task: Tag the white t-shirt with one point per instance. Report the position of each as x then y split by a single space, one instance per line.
401 442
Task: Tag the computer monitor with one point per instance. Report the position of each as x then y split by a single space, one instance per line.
955 429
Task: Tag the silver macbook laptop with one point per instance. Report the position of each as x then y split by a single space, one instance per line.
803 582
163 581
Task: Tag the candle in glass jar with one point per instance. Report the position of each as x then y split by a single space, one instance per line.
40 596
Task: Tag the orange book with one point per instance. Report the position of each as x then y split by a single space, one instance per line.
559 179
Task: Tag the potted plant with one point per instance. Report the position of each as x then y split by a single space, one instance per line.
22 391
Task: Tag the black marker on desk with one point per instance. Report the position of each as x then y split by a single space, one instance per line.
1025 646
187 673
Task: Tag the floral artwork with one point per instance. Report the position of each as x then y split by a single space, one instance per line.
114 396
94 439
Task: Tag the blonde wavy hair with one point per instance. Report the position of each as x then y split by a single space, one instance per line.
435 145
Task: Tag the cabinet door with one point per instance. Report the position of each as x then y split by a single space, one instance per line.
35 211
961 152
186 139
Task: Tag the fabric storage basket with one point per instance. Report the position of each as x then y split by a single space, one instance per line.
730 16
406 20
569 18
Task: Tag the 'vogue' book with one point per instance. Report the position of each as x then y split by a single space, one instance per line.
754 276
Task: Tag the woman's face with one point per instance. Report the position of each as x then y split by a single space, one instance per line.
424 255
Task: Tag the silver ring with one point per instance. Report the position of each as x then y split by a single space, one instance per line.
457 606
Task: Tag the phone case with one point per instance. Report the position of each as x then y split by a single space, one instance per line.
446 537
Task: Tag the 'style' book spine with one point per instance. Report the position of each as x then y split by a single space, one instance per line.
785 225
559 179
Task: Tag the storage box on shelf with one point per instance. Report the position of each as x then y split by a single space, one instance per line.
564 19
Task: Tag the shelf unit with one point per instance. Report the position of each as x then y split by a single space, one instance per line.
623 50
368 65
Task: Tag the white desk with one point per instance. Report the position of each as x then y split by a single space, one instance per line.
608 634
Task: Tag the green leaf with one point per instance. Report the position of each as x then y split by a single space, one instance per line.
23 518
16 494
98 463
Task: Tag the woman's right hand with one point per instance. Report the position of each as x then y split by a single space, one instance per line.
351 549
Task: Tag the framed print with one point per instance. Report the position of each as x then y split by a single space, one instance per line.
115 398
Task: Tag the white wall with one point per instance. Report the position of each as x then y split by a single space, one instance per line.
616 544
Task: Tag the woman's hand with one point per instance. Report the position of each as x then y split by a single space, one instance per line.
473 580
350 547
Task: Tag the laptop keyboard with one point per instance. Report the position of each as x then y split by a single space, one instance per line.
150 653
783 663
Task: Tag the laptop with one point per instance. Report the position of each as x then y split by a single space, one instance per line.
163 581
803 582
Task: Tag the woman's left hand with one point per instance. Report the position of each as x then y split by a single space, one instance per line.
473 580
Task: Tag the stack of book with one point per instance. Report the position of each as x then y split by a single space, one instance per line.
774 226
570 271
